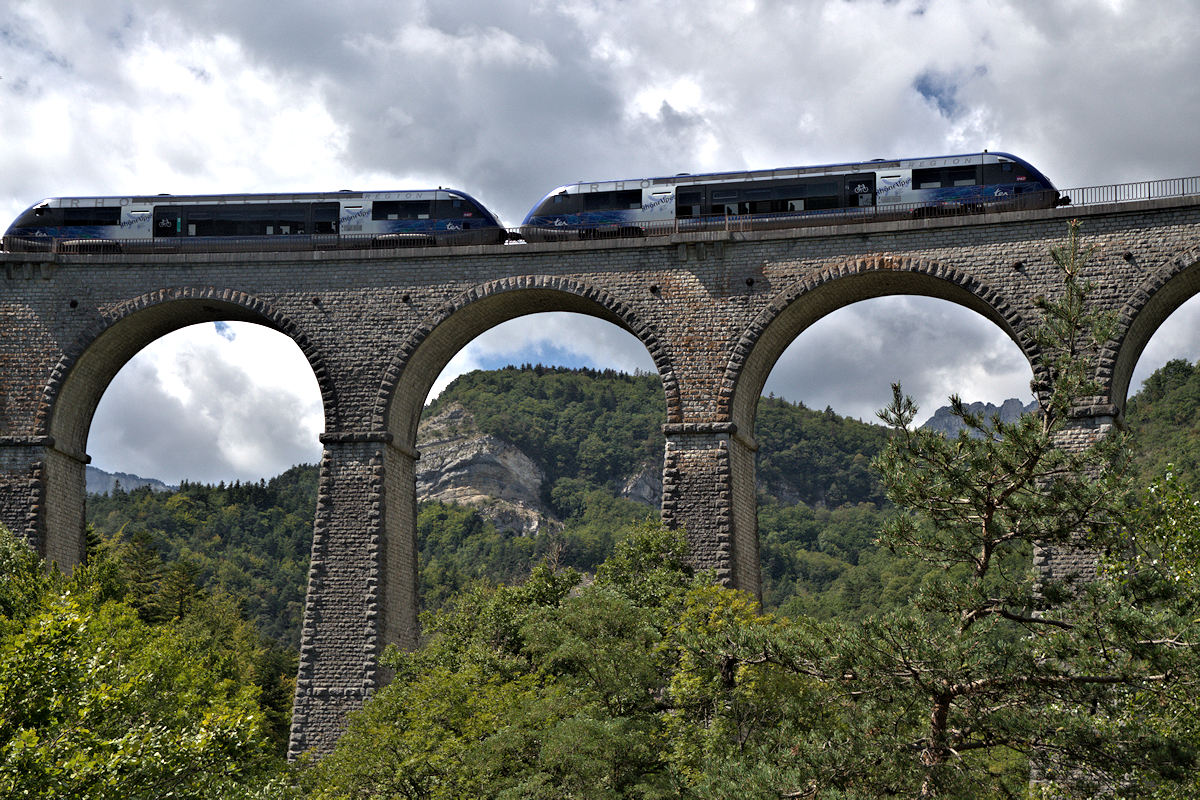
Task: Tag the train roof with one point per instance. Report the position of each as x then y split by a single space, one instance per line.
848 166
265 197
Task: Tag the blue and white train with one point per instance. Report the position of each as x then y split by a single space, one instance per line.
838 192
258 221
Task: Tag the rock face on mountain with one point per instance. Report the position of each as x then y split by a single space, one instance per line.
100 482
459 464
645 486
1010 410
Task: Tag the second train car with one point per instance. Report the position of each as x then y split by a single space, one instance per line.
839 192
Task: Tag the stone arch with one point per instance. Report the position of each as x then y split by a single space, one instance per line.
410 374
88 365
804 302
1148 306
792 311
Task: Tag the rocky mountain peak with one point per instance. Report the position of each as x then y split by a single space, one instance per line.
943 421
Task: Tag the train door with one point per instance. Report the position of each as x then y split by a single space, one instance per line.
859 191
689 201
168 221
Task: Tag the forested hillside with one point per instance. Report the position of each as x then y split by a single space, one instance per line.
588 431
250 539
1164 421
820 506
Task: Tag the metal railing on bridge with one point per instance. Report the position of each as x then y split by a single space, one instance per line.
713 225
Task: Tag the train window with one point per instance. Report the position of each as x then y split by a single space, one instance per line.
325 217
997 173
251 219
927 178
938 177
604 201
561 203
453 208
103 215
1004 173
821 188
41 217
962 176
597 201
812 195
688 202
816 203
723 201
400 209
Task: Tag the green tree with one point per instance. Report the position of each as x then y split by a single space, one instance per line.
97 703
549 689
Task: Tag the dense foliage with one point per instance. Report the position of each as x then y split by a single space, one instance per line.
459 547
97 701
548 689
816 457
251 540
1163 419
581 424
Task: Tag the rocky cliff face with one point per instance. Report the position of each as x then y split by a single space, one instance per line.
1010 410
459 464
645 486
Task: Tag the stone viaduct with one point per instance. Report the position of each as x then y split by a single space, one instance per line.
714 310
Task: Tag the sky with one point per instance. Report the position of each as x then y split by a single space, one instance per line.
508 99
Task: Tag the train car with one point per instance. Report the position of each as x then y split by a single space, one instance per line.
790 196
255 221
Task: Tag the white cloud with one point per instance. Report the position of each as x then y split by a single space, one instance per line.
551 338
197 405
849 359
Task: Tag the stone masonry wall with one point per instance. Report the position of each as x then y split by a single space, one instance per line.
714 310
